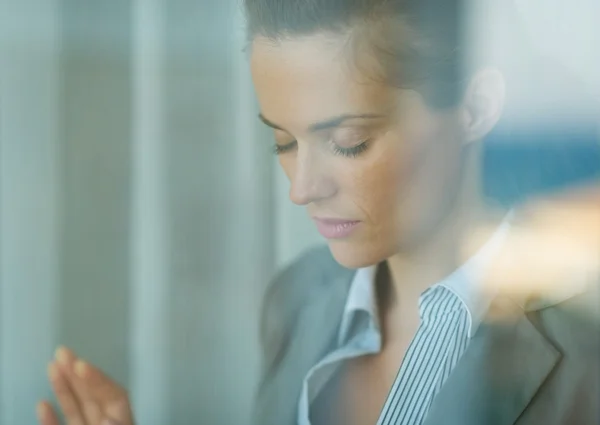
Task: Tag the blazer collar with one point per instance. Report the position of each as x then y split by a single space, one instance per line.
502 369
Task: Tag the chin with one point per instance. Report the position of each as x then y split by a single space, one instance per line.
356 255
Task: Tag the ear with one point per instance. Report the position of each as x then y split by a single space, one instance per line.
483 104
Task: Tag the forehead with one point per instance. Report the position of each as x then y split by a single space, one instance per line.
308 79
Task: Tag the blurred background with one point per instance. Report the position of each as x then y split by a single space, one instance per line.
141 212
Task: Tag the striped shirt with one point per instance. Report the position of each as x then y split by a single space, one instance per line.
440 340
450 312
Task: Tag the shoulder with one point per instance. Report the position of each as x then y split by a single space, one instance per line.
572 327
303 274
291 286
578 298
573 322
291 291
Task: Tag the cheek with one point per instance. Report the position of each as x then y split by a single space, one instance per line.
376 184
404 170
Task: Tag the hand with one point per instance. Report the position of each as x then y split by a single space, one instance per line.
85 394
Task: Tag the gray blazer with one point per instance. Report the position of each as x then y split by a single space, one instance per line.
542 368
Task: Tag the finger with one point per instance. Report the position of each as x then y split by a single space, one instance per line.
65 396
111 396
65 358
46 414
90 407
101 386
97 393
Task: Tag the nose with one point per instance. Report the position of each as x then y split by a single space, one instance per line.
311 180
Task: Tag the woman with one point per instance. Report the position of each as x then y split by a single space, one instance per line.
378 124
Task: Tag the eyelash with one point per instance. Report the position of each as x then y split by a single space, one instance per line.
281 149
352 152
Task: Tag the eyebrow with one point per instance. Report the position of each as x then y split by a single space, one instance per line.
327 124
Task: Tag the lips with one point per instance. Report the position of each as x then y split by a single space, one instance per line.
332 228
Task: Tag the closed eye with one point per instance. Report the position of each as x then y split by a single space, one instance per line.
281 149
352 152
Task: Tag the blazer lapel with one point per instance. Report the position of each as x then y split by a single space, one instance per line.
499 374
312 336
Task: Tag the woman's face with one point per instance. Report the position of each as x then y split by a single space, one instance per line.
371 163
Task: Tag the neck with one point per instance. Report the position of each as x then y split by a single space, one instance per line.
412 272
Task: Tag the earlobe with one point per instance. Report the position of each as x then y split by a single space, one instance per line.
483 104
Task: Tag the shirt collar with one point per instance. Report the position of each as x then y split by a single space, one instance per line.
465 283
361 297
